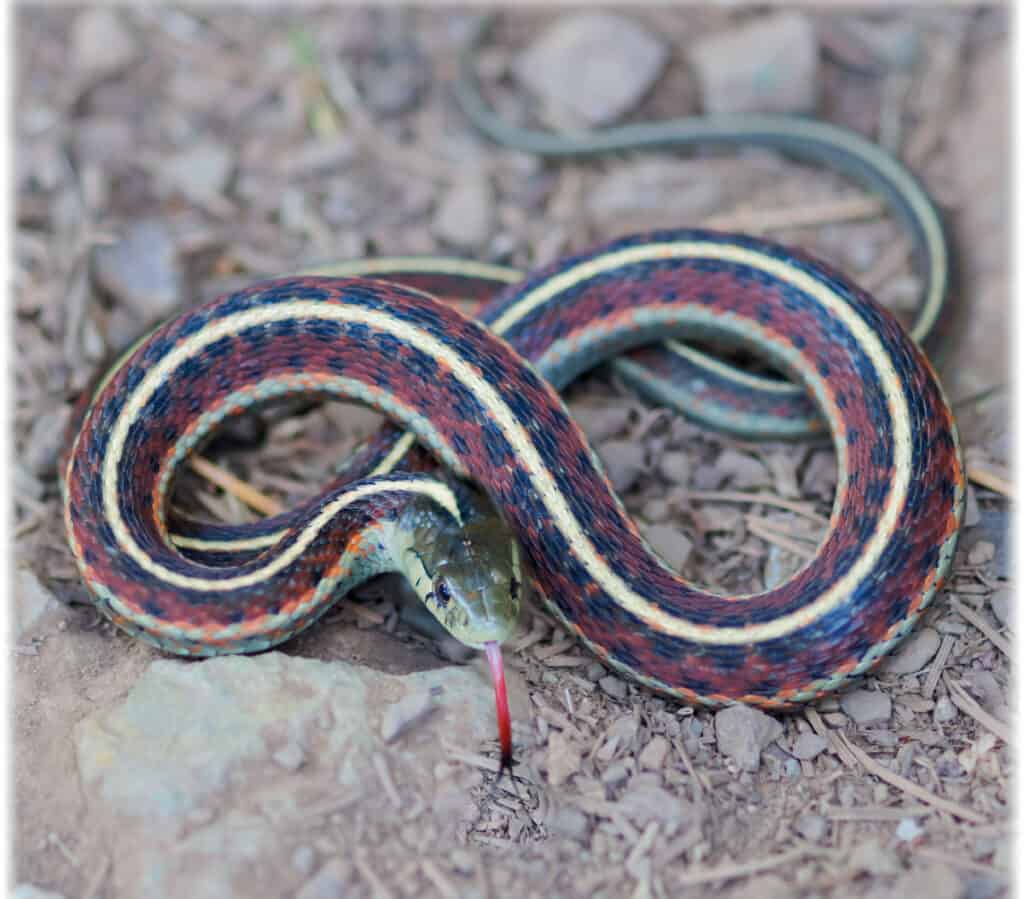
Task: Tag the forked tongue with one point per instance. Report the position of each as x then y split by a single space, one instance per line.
493 651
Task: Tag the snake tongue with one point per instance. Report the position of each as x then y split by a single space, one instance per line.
493 651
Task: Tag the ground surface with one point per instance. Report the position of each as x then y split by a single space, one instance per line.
164 156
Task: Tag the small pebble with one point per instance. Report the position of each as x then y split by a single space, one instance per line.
742 732
613 686
675 467
600 422
141 270
742 471
304 860
201 171
32 598
595 671
394 80
945 711
465 216
615 773
811 827
908 830
290 757
999 602
623 460
983 551
866 706
45 441
809 745
708 477
769 65
916 652
570 822
670 543
654 753
101 43
332 881
592 66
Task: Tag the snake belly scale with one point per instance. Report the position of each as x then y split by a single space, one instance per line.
487 407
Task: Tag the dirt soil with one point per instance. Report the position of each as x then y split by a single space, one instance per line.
165 155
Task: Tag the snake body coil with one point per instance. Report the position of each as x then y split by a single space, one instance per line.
495 419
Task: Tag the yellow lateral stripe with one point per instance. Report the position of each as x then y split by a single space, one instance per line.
199 543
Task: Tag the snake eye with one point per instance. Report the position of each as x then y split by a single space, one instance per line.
442 593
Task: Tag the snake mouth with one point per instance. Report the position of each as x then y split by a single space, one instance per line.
493 651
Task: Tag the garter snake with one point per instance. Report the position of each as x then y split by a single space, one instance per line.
491 416
488 409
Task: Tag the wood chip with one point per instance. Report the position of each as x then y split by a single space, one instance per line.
983 477
966 703
938 666
743 869
986 627
258 502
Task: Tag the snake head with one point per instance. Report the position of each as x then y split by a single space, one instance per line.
476 582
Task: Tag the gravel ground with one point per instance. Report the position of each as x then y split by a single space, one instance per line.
164 155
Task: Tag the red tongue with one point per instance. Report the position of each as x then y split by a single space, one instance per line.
493 651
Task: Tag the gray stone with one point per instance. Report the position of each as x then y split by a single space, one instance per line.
742 732
809 745
569 821
141 270
654 754
393 81
291 757
624 461
45 441
916 652
465 215
201 171
330 882
304 859
592 66
32 598
613 686
101 43
769 65
599 421
675 467
187 732
908 830
945 711
670 543
743 471
811 827
1000 602
866 706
